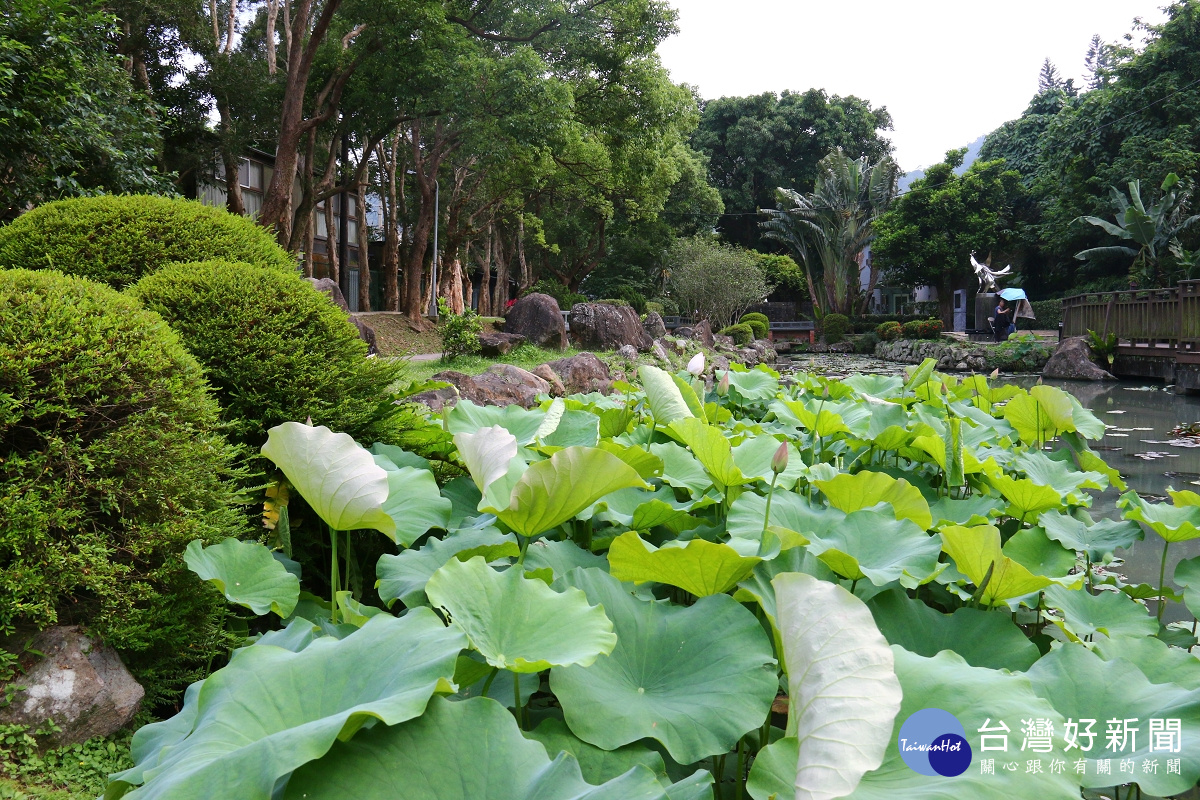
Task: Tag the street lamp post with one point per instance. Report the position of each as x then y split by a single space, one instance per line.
437 212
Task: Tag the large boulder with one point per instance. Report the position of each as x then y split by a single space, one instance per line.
501 385
583 373
544 372
654 326
80 683
366 333
600 326
494 345
537 318
1072 360
703 333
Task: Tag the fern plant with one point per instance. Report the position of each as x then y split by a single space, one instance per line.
1104 347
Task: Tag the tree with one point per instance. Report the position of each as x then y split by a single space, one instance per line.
1156 229
1097 62
72 122
927 236
757 144
715 281
829 228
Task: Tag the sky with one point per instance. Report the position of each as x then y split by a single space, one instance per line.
947 70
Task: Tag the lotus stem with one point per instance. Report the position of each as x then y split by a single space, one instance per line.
770 494
517 709
346 558
738 782
333 576
488 683
1162 574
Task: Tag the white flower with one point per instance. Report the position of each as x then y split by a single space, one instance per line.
696 365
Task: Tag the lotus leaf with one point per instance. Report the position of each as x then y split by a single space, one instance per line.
1099 540
681 469
644 463
1026 498
561 557
875 545
399 456
575 429
757 587
1187 575
1157 660
976 551
1109 613
700 567
414 502
865 489
974 510
487 454
403 577
1047 471
473 675
1036 552
597 766
876 385
711 449
247 574
760 383
523 424
1174 523
663 395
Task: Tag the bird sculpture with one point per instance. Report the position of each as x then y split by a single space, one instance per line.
987 276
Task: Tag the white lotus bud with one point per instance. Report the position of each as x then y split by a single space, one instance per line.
696 365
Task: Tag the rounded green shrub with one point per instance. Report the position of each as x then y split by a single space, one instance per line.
741 333
276 350
834 328
889 331
758 326
116 239
923 329
755 315
109 466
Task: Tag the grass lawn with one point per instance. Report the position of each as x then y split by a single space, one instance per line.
526 357
395 337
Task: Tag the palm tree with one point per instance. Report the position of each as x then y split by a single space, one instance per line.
829 229
1156 230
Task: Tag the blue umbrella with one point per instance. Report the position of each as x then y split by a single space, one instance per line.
1012 295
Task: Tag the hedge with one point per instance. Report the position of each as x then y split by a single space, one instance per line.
741 333
834 328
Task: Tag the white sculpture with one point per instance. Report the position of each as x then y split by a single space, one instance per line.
987 276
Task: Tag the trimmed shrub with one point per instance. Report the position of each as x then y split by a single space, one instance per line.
459 332
834 328
118 239
758 323
741 333
758 315
889 331
614 301
923 329
1048 313
657 308
275 350
110 466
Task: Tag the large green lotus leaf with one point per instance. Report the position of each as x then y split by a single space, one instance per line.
414 502
824 421
1026 498
1042 469
789 511
553 491
269 711
1109 613
873 544
983 638
759 383
466 750
336 477
700 567
403 577
560 557
757 586
663 396
644 463
575 429
876 385
517 623
842 686
893 437
865 489
399 456
920 374
978 698
1086 423
753 457
1187 575
1090 462
641 510
1098 539
688 392
1184 498
974 510
597 765
472 674
523 424
681 469
1082 686
1157 660
976 552
1032 419
694 678
247 574
1036 552
711 449
487 454
697 786
1173 523
464 497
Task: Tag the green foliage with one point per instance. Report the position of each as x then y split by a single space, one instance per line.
742 333
1047 314
783 273
459 332
889 331
560 292
118 239
73 122
755 315
84 767
834 327
111 467
1021 353
759 327
864 344
715 281
303 358
657 308
922 329
1103 347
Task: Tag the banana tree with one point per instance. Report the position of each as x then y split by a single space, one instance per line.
1156 230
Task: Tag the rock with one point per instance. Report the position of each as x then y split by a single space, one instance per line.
962 365
748 356
366 333
703 333
659 351
654 326
719 364
723 342
544 372
494 345
81 684
501 385
330 288
583 373
684 332
1072 359
537 318
436 399
599 326
628 351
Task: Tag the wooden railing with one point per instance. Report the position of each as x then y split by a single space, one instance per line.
1139 317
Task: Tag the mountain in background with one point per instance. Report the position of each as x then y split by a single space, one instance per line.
972 153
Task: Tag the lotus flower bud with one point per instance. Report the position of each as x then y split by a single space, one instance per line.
696 365
825 393
995 373
780 459
945 391
723 386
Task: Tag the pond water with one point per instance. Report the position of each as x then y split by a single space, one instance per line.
1139 417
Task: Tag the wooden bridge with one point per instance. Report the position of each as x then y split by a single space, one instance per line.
1158 330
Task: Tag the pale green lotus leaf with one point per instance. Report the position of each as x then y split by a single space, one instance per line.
487 453
640 509
338 479
663 395
875 385
757 586
697 786
246 573
1157 660
873 544
1036 552
561 557
700 567
1042 414
710 447
554 415
694 678
596 765
1099 539
403 577
517 623
465 750
1042 469
353 612
789 512
523 424
681 469
1187 575
983 638
753 457
976 552
893 437
1080 685
760 383
1087 424
399 456
974 510
575 429
865 489
842 686
644 463
920 374
414 502
1174 523
1083 615
1184 498
553 491
270 711
688 391
1026 498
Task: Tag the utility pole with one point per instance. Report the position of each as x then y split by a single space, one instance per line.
437 212
344 226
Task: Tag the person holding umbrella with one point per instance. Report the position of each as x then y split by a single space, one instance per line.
1003 324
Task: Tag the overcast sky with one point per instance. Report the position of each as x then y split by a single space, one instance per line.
947 70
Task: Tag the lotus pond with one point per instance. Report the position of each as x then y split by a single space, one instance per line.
680 592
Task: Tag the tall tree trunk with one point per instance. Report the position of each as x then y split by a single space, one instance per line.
364 262
485 278
331 243
525 279
500 289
